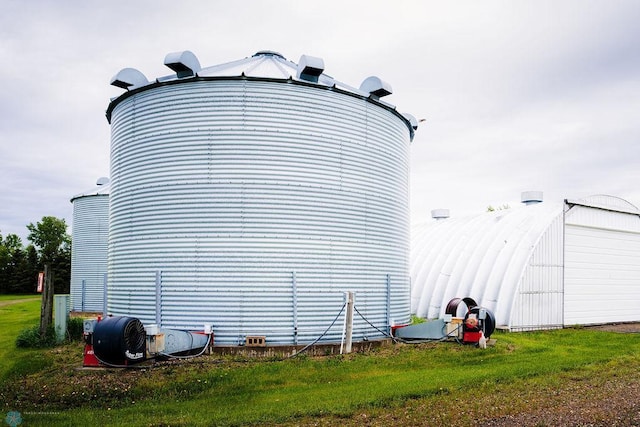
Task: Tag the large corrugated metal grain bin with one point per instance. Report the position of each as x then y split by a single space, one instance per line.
252 195
90 231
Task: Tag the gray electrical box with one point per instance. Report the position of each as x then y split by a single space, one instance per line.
88 325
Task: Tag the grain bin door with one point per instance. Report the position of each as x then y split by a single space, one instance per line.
602 266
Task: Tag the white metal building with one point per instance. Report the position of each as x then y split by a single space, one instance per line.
538 266
253 194
89 234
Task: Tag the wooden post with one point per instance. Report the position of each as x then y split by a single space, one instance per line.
350 304
348 324
46 308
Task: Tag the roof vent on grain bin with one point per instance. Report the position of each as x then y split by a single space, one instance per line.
248 216
185 64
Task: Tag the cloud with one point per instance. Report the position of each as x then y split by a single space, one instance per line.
531 95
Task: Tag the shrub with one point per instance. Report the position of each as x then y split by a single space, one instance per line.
75 329
30 338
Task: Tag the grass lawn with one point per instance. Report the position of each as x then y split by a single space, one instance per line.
213 390
18 312
11 298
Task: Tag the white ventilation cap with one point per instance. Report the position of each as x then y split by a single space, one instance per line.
102 181
129 77
310 68
376 87
531 197
439 214
184 63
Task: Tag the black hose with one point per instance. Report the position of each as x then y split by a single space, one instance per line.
305 348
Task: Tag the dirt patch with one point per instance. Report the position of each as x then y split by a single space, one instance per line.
85 314
627 328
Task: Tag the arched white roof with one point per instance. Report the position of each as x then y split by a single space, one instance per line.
607 202
483 257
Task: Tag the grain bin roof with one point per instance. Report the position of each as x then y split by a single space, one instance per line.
102 188
263 65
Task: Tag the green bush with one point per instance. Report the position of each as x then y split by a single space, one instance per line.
75 329
30 338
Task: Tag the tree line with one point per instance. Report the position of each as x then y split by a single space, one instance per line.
20 265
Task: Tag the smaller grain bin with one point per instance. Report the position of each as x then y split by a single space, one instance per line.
90 232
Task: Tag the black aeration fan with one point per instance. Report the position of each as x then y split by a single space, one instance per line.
119 341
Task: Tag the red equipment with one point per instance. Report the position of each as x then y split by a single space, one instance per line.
90 360
471 330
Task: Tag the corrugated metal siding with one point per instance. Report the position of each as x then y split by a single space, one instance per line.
90 232
602 266
539 301
229 187
485 257
603 219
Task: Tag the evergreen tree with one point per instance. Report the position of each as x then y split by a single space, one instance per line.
31 270
4 261
12 262
27 268
62 270
15 265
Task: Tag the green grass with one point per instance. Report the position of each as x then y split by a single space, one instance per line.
270 392
227 391
14 318
5 297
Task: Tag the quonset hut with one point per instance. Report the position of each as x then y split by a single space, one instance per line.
89 233
251 195
540 266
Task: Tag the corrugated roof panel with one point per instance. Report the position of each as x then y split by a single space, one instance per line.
265 65
483 257
99 190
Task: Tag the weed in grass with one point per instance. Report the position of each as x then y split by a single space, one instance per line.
32 364
416 320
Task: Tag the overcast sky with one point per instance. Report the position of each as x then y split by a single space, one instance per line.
517 95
